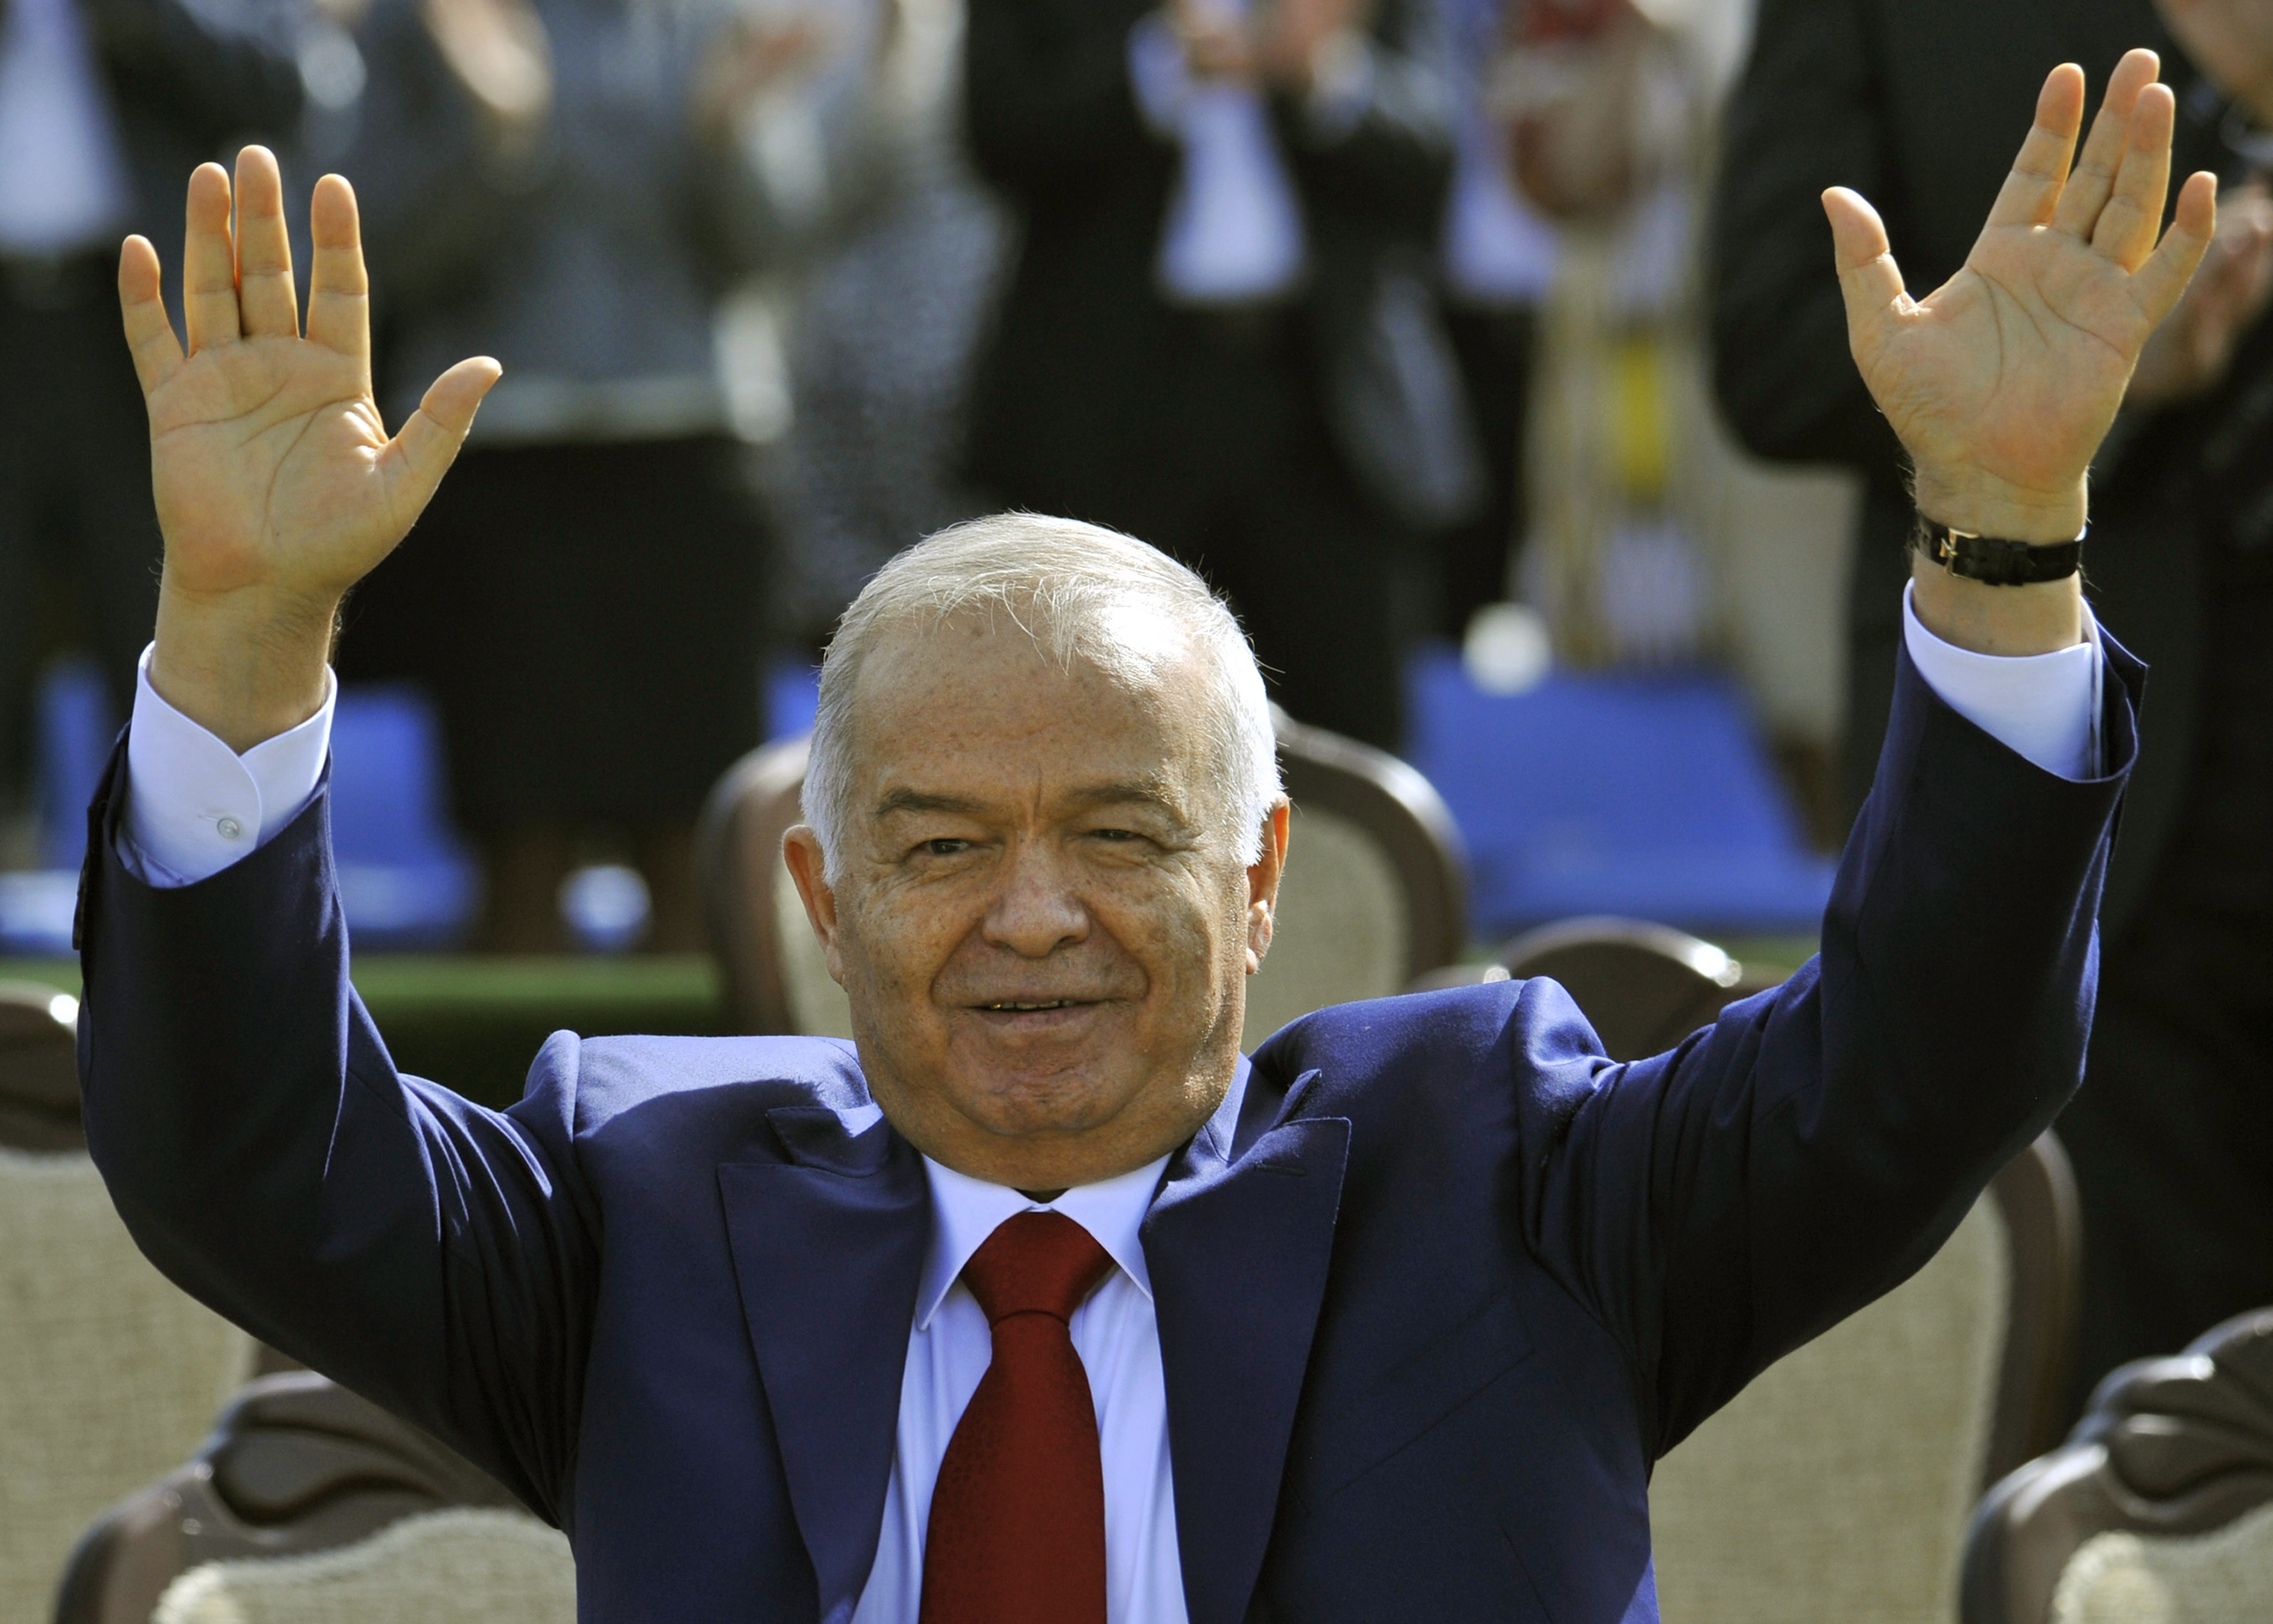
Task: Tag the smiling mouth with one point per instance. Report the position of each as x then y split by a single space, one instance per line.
1017 1007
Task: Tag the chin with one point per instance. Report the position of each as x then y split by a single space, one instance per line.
1025 1103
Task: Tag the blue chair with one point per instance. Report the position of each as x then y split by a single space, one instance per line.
1646 795
71 731
406 880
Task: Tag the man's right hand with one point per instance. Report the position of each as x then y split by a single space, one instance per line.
277 487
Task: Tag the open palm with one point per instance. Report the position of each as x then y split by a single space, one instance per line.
274 475
2005 379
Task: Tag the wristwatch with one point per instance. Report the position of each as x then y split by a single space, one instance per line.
1994 562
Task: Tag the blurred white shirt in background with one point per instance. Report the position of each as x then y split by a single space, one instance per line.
1233 235
64 184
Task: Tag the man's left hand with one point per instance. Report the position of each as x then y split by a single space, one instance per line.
2002 382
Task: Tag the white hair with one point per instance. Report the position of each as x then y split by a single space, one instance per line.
1081 592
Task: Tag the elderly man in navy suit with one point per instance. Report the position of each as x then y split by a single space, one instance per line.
1039 1304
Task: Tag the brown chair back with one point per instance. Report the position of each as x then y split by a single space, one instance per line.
751 904
39 1069
295 1464
1839 1483
1376 870
1375 895
2159 1506
1643 986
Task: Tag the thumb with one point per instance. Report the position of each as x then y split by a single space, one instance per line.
416 459
1868 276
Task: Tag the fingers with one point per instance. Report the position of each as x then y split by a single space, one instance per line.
268 306
417 459
149 334
1868 275
2127 226
2094 180
2157 284
2032 190
209 262
339 292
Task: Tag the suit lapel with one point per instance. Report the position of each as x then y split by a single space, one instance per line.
1238 1253
828 1249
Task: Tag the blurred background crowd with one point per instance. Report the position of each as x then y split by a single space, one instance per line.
1485 352
1391 318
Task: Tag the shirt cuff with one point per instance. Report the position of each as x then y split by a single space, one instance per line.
2045 708
193 805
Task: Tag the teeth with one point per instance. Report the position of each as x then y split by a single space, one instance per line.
1055 1003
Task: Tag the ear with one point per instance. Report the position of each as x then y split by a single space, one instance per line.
1263 876
808 869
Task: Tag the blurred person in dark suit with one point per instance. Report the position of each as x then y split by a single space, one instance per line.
2173 1132
103 104
564 185
1220 332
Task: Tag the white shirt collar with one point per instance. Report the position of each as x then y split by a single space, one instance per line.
964 1212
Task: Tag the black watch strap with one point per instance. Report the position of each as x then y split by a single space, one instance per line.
1994 562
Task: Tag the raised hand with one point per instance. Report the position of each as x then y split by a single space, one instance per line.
2003 381
277 486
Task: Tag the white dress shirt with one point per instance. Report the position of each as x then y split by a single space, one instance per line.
1497 249
1233 235
194 807
2045 709
949 1348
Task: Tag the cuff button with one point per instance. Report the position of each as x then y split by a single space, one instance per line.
228 829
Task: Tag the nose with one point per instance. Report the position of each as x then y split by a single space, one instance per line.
1037 911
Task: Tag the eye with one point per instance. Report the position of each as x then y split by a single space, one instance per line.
1117 834
944 847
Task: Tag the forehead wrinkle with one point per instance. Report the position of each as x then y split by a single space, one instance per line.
925 801
1086 797
1139 649
1151 793
1177 787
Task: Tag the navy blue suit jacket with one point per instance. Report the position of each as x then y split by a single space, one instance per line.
1436 1287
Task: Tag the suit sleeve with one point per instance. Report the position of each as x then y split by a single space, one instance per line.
1808 115
1721 1204
266 1155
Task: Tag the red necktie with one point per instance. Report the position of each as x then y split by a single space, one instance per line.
1017 1517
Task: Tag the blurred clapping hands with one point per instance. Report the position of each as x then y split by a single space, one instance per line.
2231 42
1282 46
